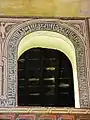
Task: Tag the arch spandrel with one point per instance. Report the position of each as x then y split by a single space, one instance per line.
44 25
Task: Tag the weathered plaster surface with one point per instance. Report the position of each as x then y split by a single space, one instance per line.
45 7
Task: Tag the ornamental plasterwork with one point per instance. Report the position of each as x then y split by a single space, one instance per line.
6 24
79 25
25 26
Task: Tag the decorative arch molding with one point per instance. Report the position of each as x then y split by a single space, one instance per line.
55 41
24 29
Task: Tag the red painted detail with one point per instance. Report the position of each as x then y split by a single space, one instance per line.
51 117
66 117
7 116
27 116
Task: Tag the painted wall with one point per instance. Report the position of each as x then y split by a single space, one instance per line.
54 8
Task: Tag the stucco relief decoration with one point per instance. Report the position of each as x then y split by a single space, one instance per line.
28 26
5 27
3 76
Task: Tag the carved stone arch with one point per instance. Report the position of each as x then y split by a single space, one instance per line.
27 27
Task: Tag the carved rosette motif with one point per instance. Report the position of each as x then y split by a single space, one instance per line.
27 27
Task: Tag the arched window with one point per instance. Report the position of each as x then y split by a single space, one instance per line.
45 78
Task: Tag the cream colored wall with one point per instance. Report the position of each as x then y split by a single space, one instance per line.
64 8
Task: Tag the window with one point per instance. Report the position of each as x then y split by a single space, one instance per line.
45 78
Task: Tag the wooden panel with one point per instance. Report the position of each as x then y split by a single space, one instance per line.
83 117
26 117
66 117
47 117
7 117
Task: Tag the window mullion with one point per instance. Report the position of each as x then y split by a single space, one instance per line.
41 75
56 81
26 78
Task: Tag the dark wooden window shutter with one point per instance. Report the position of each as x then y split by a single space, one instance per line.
45 78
